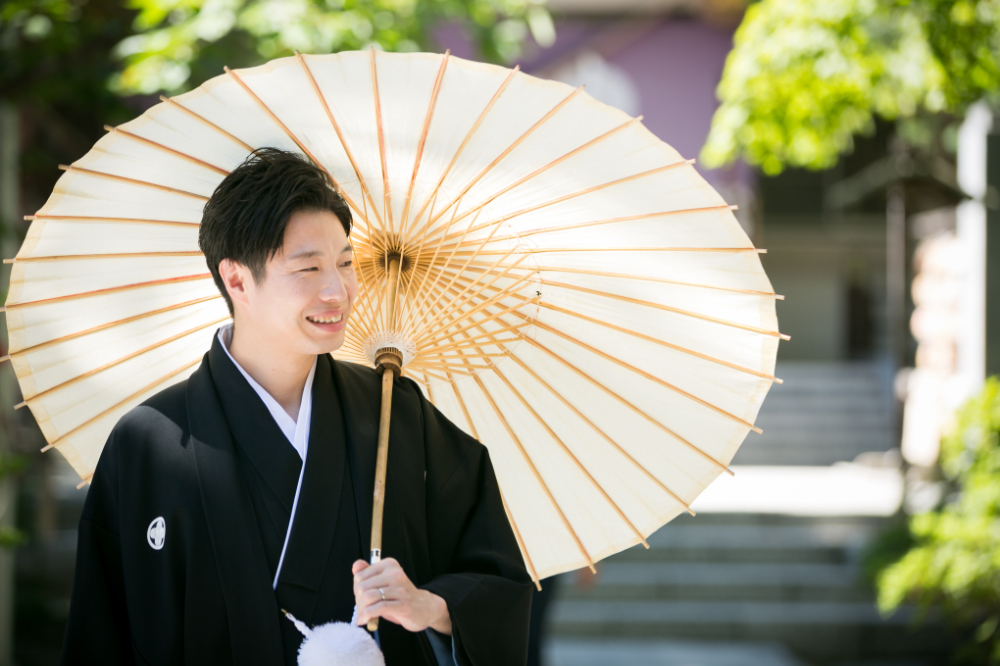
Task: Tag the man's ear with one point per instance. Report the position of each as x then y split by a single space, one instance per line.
235 277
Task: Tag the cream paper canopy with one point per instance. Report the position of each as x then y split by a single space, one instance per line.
570 291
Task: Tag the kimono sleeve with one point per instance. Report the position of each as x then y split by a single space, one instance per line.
97 630
480 571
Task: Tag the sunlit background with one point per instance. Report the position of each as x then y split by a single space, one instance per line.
860 140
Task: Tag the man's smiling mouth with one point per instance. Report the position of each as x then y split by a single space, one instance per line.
326 320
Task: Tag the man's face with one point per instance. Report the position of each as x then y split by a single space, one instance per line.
309 286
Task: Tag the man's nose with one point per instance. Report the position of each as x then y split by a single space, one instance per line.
334 289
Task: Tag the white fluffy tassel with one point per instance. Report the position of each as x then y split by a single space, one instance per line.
337 644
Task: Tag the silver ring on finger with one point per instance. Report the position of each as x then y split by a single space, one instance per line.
382 593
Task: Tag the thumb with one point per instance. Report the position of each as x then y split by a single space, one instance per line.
359 566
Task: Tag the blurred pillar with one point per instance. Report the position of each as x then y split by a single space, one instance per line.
895 271
9 210
970 227
992 200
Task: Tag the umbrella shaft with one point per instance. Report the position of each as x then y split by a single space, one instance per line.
381 461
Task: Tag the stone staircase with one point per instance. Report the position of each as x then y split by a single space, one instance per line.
824 413
752 579
779 590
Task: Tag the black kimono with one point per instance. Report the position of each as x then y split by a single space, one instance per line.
187 512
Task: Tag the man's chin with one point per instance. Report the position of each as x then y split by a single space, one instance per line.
327 344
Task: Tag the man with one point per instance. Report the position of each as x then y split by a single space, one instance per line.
247 489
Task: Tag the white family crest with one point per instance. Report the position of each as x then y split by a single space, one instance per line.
156 533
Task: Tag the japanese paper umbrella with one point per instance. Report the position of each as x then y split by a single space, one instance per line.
561 283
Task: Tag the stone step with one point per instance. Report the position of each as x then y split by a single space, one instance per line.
812 630
795 454
848 422
581 652
812 388
701 581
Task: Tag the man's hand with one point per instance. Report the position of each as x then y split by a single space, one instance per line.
405 604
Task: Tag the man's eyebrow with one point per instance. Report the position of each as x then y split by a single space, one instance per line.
309 254
305 254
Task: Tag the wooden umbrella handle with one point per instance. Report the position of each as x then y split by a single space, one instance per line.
381 461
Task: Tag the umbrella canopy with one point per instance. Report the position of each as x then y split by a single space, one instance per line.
561 283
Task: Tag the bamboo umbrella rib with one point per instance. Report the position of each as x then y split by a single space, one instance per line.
386 196
109 290
643 373
462 405
363 317
429 342
567 451
423 141
430 373
377 292
543 250
408 308
520 543
462 297
340 135
509 149
648 338
508 310
524 550
476 267
416 260
107 366
555 162
443 356
579 193
471 342
422 324
613 220
662 343
422 295
644 278
604 435
206 121
623 400
468 137
58 440
172 151
440 367
289 133
628 404
132 181
124 220
538 476
117 255
545 384
562 444
102 327
665 308
427 387
463 315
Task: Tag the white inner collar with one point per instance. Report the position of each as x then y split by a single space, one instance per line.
297 430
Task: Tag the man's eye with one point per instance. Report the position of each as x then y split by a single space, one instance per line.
311 268
348 263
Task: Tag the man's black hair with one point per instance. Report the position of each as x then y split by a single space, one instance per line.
245 218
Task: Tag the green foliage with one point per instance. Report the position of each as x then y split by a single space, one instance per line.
954 563
174 35
10 536
805 76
